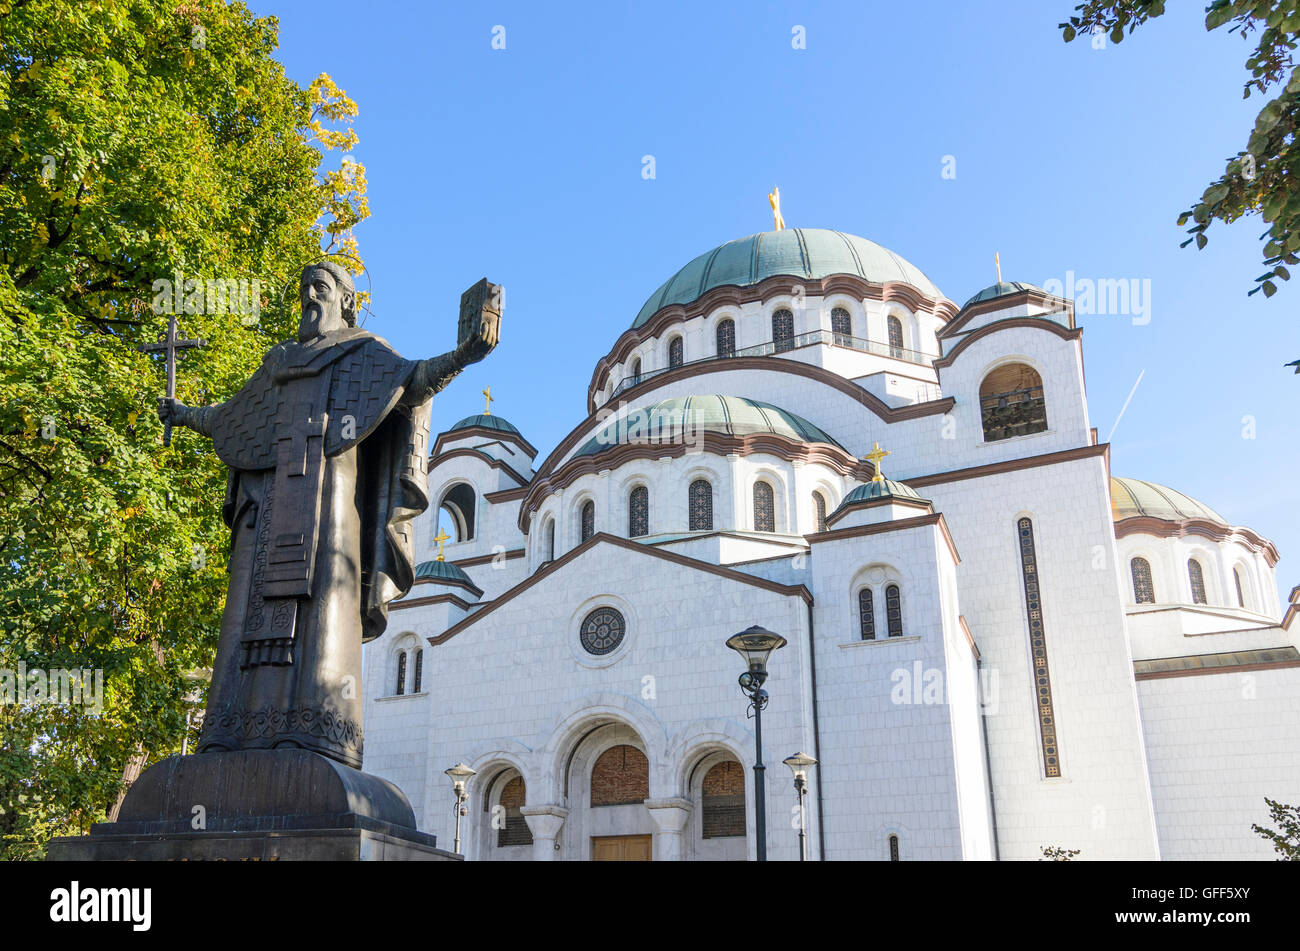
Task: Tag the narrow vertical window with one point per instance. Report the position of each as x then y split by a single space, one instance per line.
701 506
726 338
418 676
783 330
550 540
1038 649
841 326
675 352
636 371
587 521
894 610
401 673
867 615
1197 579
638 512
1241 596
1144 591
893 848
819 506
764 508
895 337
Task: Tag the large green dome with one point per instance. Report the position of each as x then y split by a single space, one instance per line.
808 253
1135 498
728 415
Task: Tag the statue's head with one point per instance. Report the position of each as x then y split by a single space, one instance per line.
329 300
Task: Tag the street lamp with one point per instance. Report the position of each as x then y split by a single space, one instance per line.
756 644
799 764
459 773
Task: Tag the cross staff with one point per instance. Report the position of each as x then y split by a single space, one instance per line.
168 343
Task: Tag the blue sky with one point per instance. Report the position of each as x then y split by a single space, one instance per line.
525 165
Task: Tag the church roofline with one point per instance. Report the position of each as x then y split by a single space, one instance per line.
603 538
1037 296
459 451
902 524
500 435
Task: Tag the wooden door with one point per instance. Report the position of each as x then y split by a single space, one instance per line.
620 848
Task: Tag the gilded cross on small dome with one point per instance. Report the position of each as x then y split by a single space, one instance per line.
875 456
774 199
440 538
487 395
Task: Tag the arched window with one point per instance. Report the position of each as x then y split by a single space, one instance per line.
636 371
783 330
621 775
1011 402
894 610
764 508
1197 578
819 506
675 352
893 848
401 674
1144 591
701 506
548 540
638 512
1241 587
841 326
867 614
895 337
515 829
459 505
726 338
417 677
723 801
587 520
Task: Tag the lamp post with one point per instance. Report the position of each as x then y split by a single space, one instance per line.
458 774
756 644
799 764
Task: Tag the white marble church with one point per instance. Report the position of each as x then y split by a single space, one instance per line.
994 645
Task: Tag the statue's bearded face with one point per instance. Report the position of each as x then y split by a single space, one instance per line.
322 305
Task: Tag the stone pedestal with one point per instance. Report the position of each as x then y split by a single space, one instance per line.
258 805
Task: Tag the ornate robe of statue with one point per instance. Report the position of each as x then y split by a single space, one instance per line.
326 445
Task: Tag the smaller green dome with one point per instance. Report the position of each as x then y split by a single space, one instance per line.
1002 289
486 421
886 488
442 571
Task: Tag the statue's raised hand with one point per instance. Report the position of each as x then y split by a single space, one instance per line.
479 329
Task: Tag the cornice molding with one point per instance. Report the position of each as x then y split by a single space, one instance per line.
844 510
1036 323
1009 465
499 435
488 559
1202 527
900 525
447 598
1019 299
437 460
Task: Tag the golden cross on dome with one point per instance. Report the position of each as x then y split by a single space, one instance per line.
487 407
774 199
875 456
997 263
440 538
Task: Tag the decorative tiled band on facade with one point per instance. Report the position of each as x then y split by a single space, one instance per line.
1038 647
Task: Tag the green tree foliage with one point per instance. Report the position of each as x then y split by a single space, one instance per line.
1260 179
1286 842
139 140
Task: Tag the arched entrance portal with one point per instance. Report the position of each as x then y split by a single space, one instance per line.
608 779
